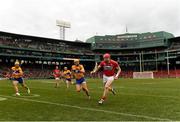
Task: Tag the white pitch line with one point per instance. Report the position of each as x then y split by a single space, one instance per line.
90 109
29 96
2 98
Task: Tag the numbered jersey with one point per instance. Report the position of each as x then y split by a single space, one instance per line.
67 74
17 72
57 73
109 68
76 71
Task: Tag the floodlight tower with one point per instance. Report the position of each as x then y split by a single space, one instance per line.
62 26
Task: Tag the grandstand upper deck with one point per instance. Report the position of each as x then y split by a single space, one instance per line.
42 44
174 43
130 41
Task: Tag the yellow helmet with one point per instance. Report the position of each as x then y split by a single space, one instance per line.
76 60
17 62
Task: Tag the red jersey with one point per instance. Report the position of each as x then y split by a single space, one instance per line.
56 73
109 68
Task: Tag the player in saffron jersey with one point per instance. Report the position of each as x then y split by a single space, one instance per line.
16 77
57 76
109 67
78 72
67 76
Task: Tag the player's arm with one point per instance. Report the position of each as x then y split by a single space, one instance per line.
69 73
20 72
82 69
118 72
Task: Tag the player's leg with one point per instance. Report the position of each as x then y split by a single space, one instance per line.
23 84
105 92
78 84
85 89
15 85
67 83
78 87
72 82
55 83
104 83
109 84
26 87
111 89
57 80
107 87
61 80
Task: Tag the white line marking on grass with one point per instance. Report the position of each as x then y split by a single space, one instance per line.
2 98
27 95
90 109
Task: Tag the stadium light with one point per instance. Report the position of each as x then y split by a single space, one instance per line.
62 25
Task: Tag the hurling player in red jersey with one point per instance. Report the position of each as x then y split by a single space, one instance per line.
57 76
109 67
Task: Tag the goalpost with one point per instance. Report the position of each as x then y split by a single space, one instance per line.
143 75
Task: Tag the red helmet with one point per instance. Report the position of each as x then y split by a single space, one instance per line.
107 55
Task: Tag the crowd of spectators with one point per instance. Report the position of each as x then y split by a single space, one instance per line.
50 45
44 74
76 48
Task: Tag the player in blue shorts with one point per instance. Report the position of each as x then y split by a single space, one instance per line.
78 72
17 74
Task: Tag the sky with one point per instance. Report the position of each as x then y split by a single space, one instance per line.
89 17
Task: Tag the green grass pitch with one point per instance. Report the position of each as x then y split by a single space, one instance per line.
152 99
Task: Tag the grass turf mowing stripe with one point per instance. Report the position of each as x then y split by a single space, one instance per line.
90 109
151 95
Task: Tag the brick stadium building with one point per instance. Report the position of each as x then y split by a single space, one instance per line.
158 52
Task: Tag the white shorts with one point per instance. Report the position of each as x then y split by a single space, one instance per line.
57 78
109 79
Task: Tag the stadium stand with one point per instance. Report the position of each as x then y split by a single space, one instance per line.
134 51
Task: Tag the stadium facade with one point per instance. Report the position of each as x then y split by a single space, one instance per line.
158 52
